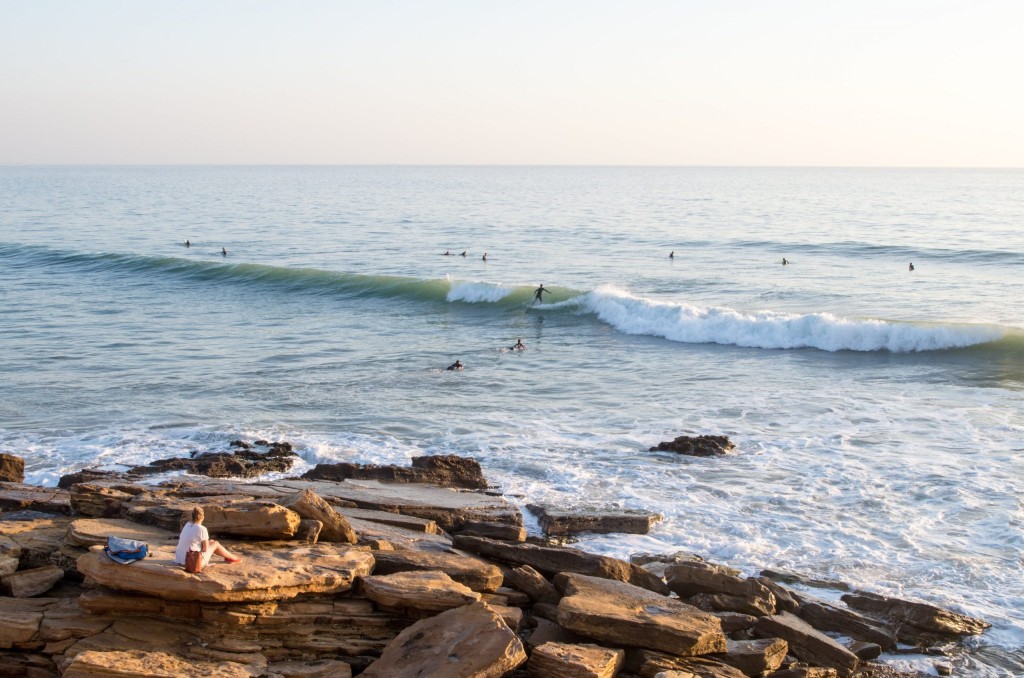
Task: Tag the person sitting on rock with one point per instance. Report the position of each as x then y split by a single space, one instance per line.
195 537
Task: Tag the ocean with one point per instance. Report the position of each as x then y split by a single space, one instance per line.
877 412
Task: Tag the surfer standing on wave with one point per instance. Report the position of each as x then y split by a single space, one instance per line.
537 294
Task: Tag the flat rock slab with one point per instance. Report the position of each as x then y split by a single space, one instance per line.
468 641
140 664
805 642
550 560
261 576
94 531
411 523
560 521
566 660
925 617
29 543
21 497
32 582
623 614
417 591
473 572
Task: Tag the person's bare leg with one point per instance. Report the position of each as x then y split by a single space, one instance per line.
223 552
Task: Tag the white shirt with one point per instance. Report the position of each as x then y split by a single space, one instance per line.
191 539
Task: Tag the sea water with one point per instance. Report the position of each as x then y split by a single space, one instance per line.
876 411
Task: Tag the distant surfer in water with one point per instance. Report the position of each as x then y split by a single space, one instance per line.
518 346
785 262
447 254
538 294
188 244
672 254
455 366
463 253
484 257
911 266
223 252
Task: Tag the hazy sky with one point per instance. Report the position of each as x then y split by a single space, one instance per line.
645 82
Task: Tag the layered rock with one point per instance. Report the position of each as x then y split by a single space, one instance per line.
566 660
12 468
22 497
261 576
334 526
474 573
468 641
916 619
442 470
617 612
417 592
245 462
806 643
568 521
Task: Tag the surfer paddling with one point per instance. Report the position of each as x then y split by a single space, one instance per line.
538 294
518 346
188 244
911 266
455 366
223 251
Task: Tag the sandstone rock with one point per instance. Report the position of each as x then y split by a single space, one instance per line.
94 531
827 617
561 522
471 640
100 501
533 584
414 592
512 616
751 605
309 531
443 470
735 621
623 614
473 572
498 531
696 446
553 560
754 657
30 542
657 563
321 668
788 577
805 642
90 475
140 664
21 497
412 523
20 620
865 651
260 519
807 672
648 663
562 660
513 597
922 616
309 504
547 631
32 582
786 600
12 468
691 577
261 576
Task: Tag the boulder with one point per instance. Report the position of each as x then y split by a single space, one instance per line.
921 616
259 519
28 543
12 468
827 617
531 582
564 660
416 592
786 600
696 446
475 573
805 642
623 614
100 501
551 560
142 664
498 531
719 602
309 531
32 582
22 497
547 631
689 578
442 470
649 663
754 657
88 532
466 641
567 521
261 576
309 504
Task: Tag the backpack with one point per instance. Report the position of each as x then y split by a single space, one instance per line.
125 551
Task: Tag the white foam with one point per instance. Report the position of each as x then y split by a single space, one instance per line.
478 292
767 329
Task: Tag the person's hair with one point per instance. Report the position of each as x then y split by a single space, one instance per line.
197 514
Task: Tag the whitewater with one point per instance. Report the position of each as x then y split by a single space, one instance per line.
876 411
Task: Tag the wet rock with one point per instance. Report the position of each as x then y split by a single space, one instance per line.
719 602
416 592
443 470
865 651
922 618
310 505
623 614
475 573
552 560
243 463
471 640
531 582
827 617
561 522
807 643
696 446
88 475
32 582
21 497
657 563
788 577
12 468
754 657
261 576
564 660
690 578
500 531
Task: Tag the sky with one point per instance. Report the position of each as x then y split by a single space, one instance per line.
909 83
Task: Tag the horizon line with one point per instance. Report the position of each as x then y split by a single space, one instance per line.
517 165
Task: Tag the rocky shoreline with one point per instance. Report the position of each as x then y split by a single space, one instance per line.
386 572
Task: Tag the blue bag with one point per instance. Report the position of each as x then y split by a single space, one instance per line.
125 551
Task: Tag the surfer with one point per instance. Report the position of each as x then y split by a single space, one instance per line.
484 257
911 266
518 346
223 252
463 253
455 366
188 244
447 254
672 254
537 294
785 262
